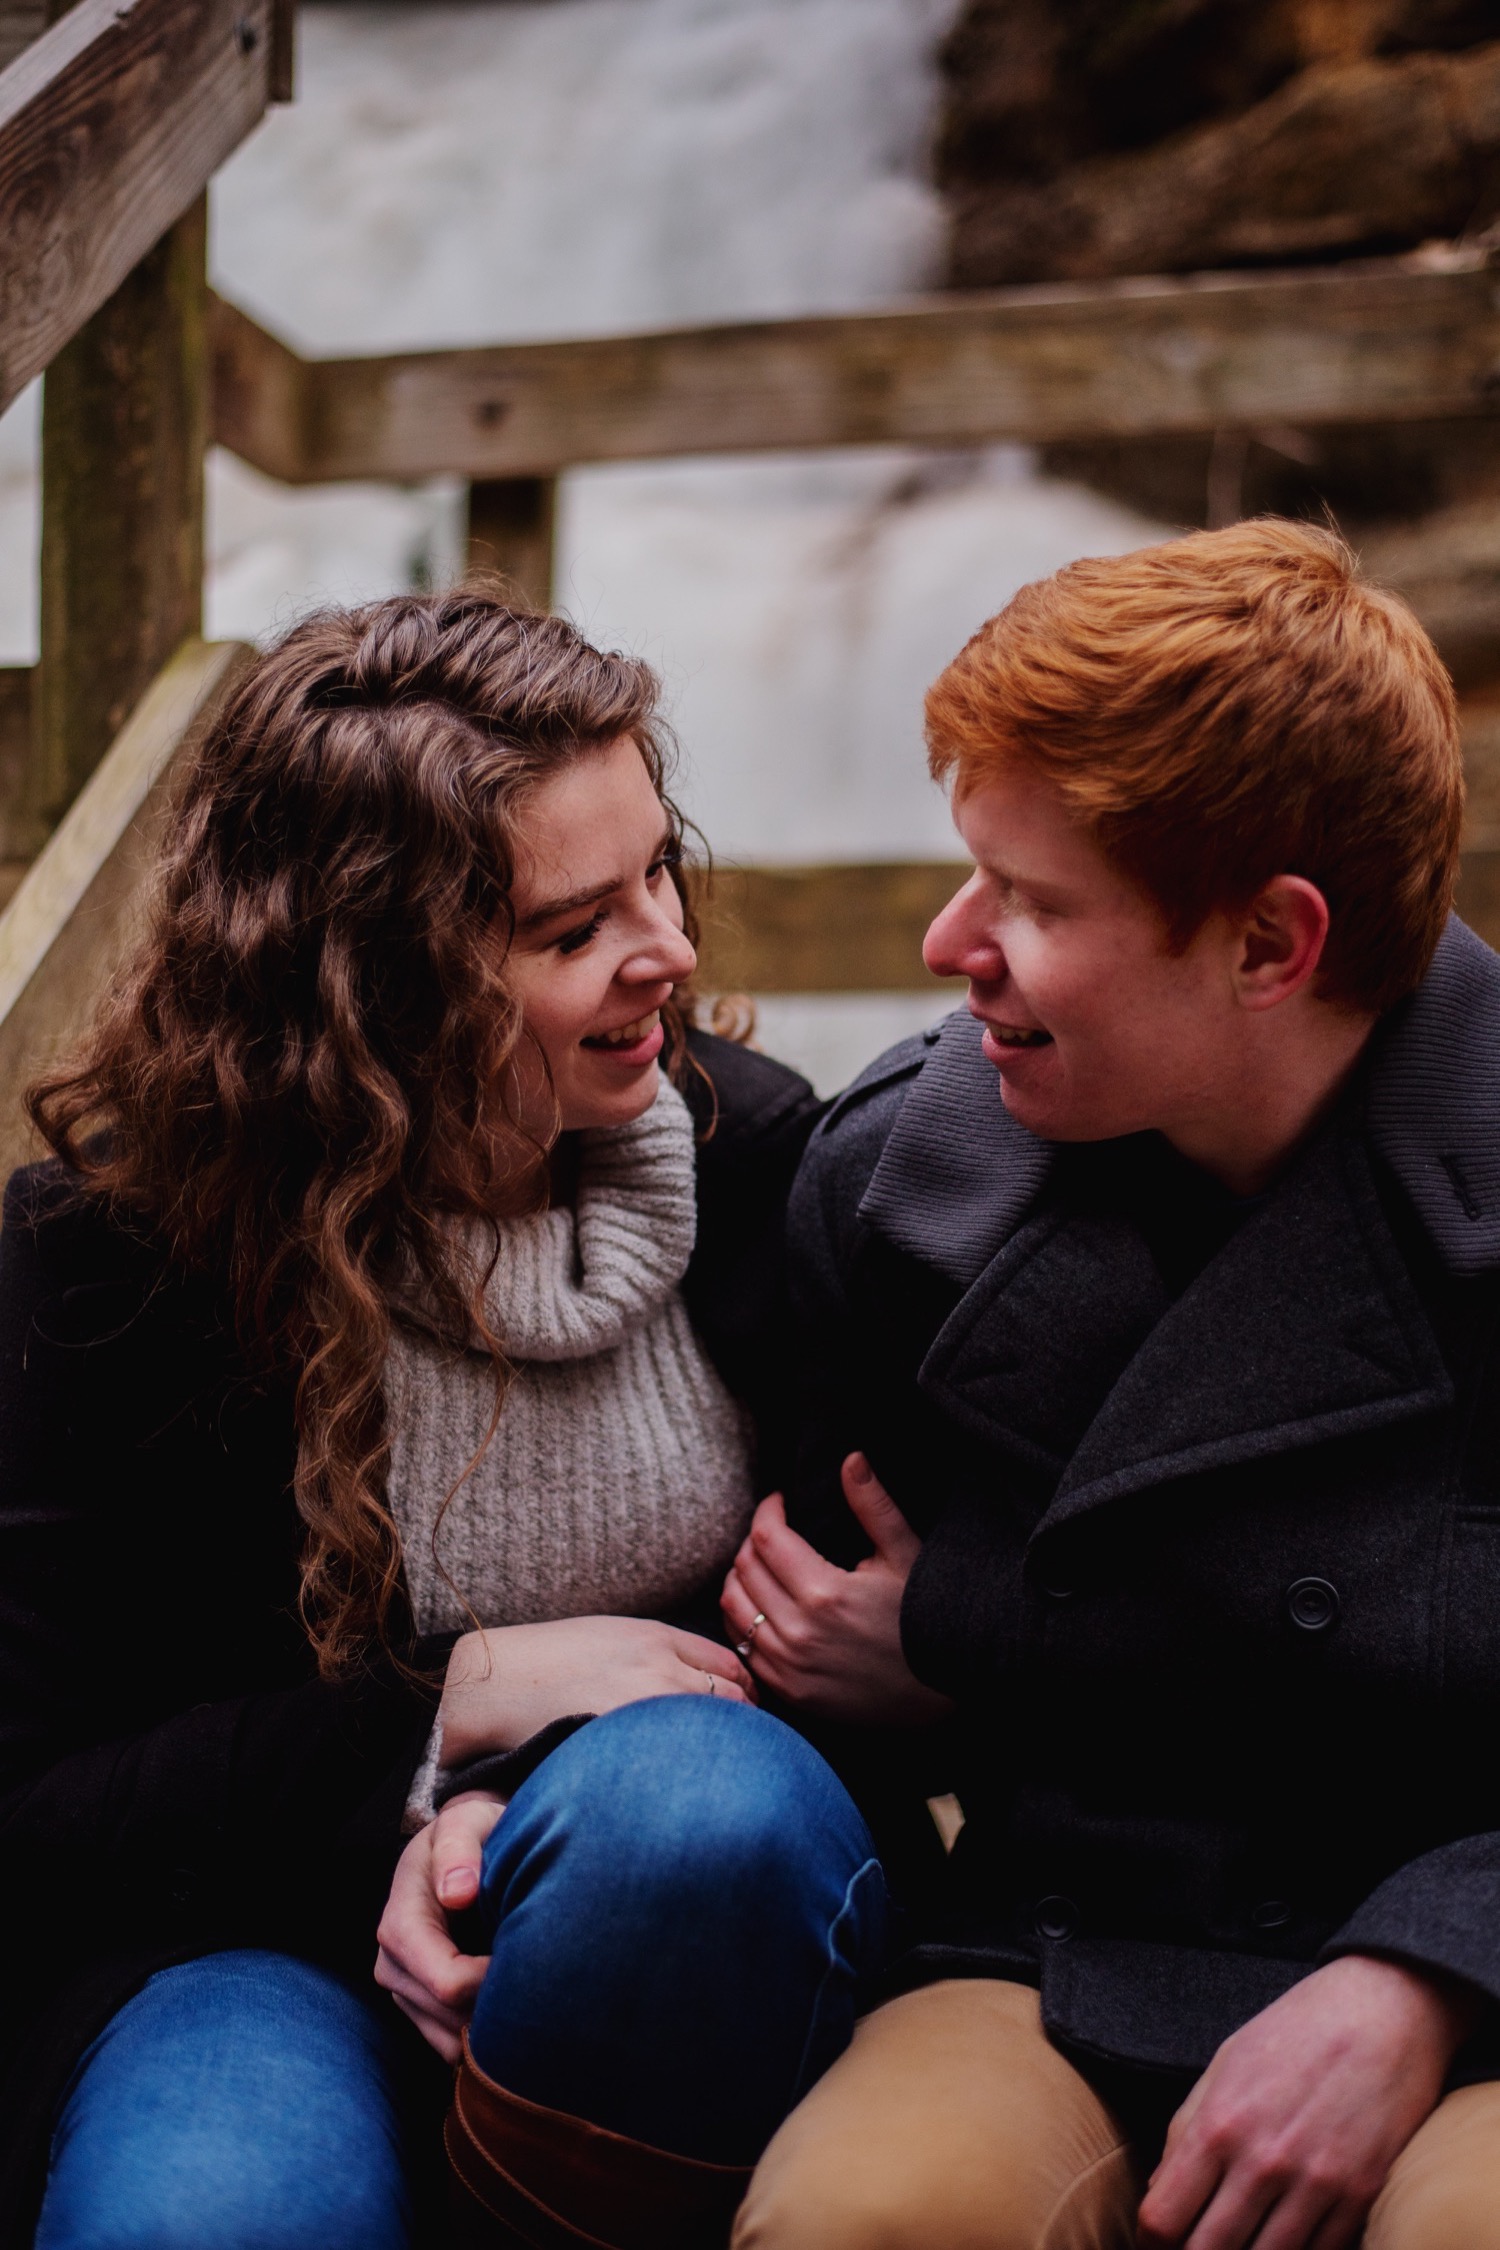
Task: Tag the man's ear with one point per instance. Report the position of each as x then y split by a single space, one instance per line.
1282 936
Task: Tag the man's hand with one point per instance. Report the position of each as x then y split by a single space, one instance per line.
418 1963
1301 2114
829 1640
508 1682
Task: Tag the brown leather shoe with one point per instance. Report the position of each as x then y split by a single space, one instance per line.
534 2177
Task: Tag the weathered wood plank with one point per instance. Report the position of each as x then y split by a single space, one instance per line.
860 928
1377 342
282 78
68 926
845 928
17 686
21 21
111 123
512 531
124 425
259 394
1478 899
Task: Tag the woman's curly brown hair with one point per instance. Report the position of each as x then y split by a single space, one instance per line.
301 1079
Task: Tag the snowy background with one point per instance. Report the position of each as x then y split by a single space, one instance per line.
508 169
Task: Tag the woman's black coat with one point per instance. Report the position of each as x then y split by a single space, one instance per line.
173 1775
1212 1548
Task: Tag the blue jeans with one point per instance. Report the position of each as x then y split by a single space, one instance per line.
239 2102
684 1906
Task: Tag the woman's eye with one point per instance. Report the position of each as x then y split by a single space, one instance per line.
658 867
576 940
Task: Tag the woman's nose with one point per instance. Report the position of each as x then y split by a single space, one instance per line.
668 957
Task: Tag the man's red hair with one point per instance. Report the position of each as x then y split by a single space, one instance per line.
1224 708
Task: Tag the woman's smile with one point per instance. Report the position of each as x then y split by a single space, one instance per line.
631 1044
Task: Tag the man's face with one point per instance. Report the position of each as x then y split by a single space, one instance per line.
1095 1027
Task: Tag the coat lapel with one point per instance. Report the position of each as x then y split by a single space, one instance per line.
1434 1100
1066 1352
1305 1327
1027 1359
957 1171
1069 1355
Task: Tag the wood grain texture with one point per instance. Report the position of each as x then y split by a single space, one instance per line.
124 426
21 21
111 124
17 687
848 928
859 928
1478 899
69 925
512 533
17 727
282 77
259 394
1378 342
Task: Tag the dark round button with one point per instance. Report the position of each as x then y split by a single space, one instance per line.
1271 1914
1056 1585
1312 1604
1056 1918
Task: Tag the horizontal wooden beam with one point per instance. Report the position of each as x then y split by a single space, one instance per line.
860 928
111 125
848 928
1381 341
69 925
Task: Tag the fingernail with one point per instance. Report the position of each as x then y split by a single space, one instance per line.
456 1879
860 1470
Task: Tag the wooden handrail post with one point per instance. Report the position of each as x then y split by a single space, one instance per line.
124 427
512 528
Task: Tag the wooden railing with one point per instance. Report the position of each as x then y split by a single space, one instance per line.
1375 342
1382 341
111 123
112 120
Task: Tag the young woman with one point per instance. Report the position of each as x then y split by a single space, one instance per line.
388 1365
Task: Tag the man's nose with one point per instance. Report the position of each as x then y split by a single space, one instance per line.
958 944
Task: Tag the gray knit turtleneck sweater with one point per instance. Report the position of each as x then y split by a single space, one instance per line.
617 1480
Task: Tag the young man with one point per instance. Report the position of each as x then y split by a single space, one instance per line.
1161 1288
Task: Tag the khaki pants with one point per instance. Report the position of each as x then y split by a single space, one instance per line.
951 2124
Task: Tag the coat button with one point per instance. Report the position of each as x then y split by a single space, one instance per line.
1312 1604
1271 1914
1056 1918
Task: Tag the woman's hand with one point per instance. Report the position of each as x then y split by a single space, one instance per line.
418 1963
506 1683
826 1639
1287 2137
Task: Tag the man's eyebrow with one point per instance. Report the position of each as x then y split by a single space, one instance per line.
573 902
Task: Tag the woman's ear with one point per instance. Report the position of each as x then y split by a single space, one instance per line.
1282 936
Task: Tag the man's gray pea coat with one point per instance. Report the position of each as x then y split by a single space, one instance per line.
1213 1571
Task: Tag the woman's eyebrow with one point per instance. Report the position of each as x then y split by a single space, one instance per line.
572 902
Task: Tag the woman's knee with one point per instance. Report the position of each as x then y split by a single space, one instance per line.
677 1865
238 2098
701 1802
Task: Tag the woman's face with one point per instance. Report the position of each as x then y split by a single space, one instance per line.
598 942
